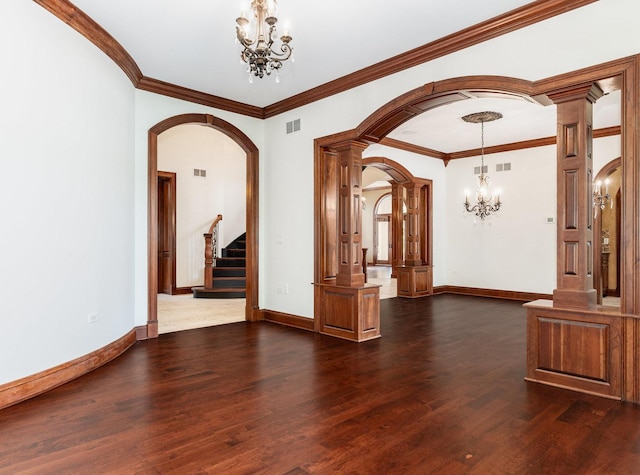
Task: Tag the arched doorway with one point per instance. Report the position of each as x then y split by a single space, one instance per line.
607 237
251 310
382 231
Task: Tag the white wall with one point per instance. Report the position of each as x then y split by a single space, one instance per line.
182 149
67 220
516 249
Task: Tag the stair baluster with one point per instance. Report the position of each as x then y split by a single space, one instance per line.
210 252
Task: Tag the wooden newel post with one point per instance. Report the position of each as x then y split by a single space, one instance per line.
575 287
208 261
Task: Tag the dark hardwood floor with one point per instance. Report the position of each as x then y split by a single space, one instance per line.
441 392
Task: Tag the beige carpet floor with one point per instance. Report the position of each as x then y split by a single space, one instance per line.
183 312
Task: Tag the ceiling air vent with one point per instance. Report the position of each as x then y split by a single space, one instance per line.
293 126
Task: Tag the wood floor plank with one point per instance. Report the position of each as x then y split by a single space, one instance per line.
441 392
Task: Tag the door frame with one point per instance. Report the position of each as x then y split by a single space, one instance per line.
170 177
252 309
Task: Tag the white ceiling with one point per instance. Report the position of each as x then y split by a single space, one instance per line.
191 43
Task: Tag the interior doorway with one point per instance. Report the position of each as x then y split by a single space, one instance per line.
382 239
607 234
251 309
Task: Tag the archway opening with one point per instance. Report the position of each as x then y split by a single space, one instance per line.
251 151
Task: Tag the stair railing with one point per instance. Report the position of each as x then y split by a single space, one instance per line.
210 252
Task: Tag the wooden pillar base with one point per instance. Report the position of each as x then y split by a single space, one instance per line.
415 281
579 299
350 313
577 350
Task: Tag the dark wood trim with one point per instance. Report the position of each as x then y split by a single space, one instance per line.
141 332
171 178
508 22
510 147
436 94
172 90
30 386
511 21
252 312
83 24
608 76
181 291
409 147
392 168
492 293
504 148
287 319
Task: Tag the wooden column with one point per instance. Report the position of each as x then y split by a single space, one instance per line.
397 227
347 307
415 276
350 214
575 212
412 234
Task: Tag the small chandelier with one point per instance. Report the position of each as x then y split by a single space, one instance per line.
257 52
486 203
601 196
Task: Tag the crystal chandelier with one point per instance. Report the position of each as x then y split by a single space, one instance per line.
485 202
257 52
601 199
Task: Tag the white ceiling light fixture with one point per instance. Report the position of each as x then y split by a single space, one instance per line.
486 202
257 51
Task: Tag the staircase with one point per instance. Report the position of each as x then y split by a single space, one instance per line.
229 273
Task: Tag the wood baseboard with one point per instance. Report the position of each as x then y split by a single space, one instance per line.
492 293
288 320
141 332
181 291
16 391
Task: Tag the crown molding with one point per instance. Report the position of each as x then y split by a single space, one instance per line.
509 147
515 19
191 95
399 144
506 23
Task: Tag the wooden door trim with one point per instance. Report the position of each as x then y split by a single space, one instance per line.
171 178
252 310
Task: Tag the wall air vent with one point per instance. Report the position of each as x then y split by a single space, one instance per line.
503 167
476 170
199 172
293 126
